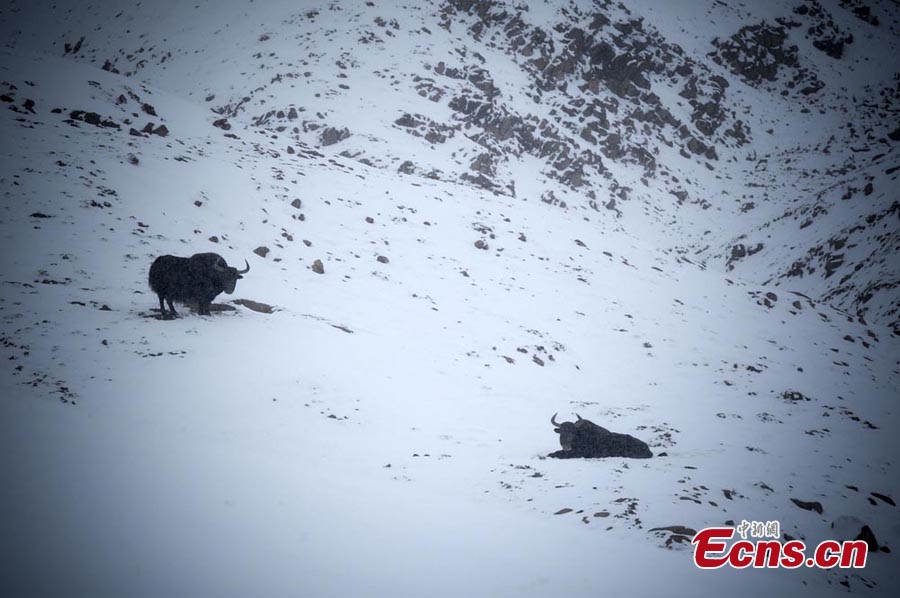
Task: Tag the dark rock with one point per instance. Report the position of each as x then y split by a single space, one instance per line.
832 263
832 47
69 48
261 251
408 120
92 118
696 146
793 395
738 252
255 306
318 267
331 135
484 163
877 495
676 529
808 506
868 535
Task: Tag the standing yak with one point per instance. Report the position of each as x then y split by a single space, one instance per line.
196 279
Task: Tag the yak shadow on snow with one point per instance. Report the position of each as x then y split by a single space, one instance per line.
214 308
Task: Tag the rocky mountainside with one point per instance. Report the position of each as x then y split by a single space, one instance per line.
780 123
680 220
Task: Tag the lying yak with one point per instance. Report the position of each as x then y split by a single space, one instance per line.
196 279
584 438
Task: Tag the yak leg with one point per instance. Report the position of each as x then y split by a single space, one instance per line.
162 305
172 308
563 455
204 309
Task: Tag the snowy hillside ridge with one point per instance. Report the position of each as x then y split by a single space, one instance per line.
606 110
679 221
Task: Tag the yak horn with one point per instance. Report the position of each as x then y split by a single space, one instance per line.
578 416
245 270
553 420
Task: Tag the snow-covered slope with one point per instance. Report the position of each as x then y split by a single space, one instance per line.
680 222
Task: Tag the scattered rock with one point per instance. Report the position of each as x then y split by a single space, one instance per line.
793 395
92 118
868 535
679 534
331 135
255 306
318 267
677 529
884 498
808 506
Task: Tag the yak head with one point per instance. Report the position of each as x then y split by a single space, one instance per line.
228 274
566 431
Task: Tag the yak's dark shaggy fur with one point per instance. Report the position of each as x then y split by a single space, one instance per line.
196 279
586 439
